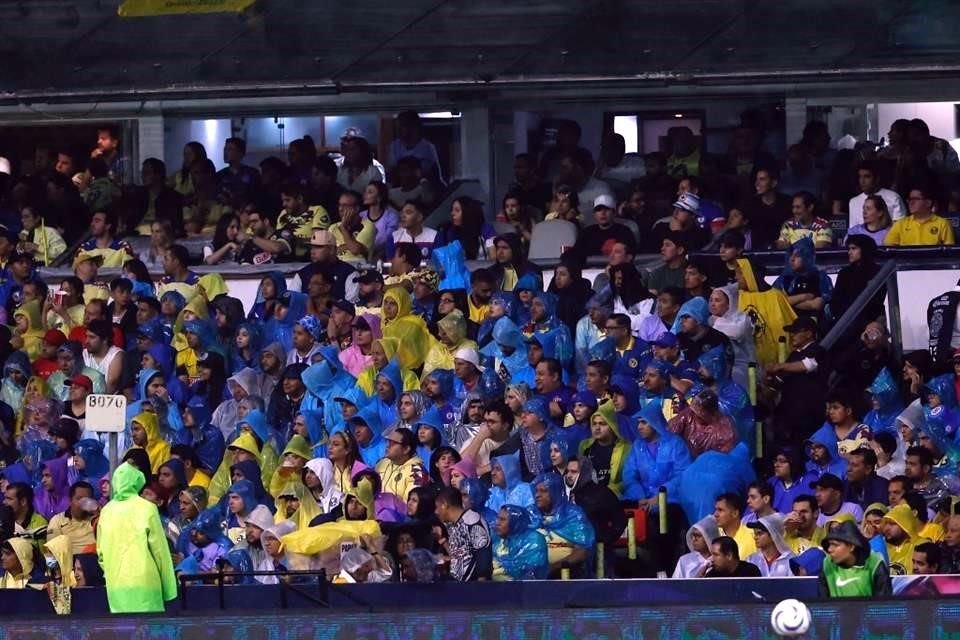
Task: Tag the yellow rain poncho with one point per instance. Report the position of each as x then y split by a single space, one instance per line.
133 549
367 380
23 549
326 538
308 510
158 449
769 310
221 479
199 310
211 285
440 355
409 330
282 475
33 335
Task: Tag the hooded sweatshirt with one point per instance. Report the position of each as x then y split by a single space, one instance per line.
156 447
780 567
33 335
609 469
690 564
901 555
133 549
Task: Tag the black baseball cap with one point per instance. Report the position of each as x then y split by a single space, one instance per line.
828 481
369 276
345 306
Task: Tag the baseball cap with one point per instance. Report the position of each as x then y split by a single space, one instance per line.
54 337
352 132
665 339
345 306
604 201
322 238
369 276
756 524
468 355
688 202
802 323
80 380
828 481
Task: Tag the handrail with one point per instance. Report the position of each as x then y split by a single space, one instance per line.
842 325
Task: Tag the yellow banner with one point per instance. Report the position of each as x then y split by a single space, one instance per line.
139 8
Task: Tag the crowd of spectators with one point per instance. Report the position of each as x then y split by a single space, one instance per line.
433 423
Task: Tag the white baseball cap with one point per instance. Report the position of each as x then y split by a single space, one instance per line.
604 201
468 355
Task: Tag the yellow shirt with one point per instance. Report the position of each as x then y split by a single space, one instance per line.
745 542
478 314
366 236
297 228
79 532
800 544
909 232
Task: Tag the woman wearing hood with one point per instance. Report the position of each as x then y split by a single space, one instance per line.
205 438
292 460
382 352
22 565
246 347
154 398
322 486
409 330
202 543
606 448
452 336
16 372
289 308
240 385
736 325
53 495
507 485
699 538
428 428
358 356
28 329
853 279
133 549
89 463
656 459
501 305
773 555
521 551
162 357
768 308
808 289
272 286
887 403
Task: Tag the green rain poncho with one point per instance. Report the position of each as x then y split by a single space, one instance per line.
132 548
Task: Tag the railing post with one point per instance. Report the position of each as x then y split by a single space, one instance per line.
893 302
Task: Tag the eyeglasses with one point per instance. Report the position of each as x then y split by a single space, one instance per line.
396 442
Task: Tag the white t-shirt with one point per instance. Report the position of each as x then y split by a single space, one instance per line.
101 365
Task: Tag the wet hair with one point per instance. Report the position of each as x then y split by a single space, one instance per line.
733 500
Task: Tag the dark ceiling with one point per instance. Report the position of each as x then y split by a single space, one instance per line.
84 47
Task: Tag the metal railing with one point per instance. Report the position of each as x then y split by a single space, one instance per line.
886 277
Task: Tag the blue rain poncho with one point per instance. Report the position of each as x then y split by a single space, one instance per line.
258 312
316 432
940 425
826 435
563 350
205 438
355 396
734 400
564 521
11 392
239 560
695 308
650 466
789 279
371 452
451 263
282 330
197 559
887 403
711 474
430 419
507 337
505 300
516 490
387 410
522 554
237 360
250 471
325 380
95 464
479 495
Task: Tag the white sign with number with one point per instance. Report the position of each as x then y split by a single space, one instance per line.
106 413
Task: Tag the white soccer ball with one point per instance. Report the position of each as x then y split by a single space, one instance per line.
790 618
